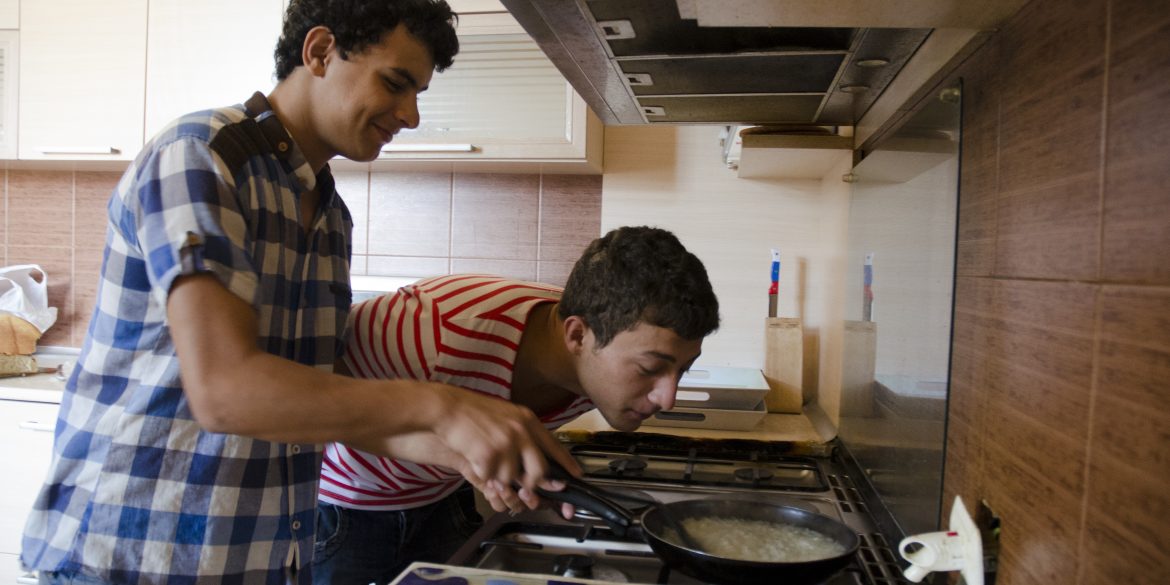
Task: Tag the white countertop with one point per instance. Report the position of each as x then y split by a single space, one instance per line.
41 387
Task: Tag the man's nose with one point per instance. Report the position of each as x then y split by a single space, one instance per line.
664 393
408 114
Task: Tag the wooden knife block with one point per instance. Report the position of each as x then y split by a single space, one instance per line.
857 374
784 364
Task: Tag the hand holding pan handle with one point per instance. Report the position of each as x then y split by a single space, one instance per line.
582 494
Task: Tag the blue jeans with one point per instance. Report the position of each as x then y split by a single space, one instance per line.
358 547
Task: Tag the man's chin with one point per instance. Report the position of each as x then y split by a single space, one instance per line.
627 422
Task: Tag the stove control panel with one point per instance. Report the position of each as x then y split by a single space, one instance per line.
434 574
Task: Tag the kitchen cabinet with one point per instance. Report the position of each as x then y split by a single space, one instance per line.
81 79
189 43
9 14
502 101
26 430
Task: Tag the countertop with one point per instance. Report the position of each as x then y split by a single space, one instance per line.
41 387
774 427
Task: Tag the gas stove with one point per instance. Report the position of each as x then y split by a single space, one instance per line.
540 542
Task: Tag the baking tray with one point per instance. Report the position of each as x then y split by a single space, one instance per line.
721 387
709 418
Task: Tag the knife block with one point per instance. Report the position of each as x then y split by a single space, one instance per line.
784 364
857 373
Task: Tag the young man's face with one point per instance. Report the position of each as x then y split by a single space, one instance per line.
373 94
636 374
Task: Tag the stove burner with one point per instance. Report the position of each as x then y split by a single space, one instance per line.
623 464
579 566
753 474
585 567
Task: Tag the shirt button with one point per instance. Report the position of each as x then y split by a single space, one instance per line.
282 146
296 449
296 525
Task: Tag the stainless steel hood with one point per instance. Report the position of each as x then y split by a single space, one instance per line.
735 61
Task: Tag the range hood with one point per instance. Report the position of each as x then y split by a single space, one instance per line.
752 62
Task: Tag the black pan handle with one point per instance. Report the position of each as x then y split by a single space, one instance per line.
586 496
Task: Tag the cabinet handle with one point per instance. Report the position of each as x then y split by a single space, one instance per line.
429 148
32 425
79 150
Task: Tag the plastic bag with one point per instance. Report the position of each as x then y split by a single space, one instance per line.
24 292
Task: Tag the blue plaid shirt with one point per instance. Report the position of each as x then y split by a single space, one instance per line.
139 493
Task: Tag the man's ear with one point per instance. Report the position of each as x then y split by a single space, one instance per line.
575 331
319 42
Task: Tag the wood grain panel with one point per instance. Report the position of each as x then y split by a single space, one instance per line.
1137 171
1040 520
495 217
1110 556
979 179
410 214
407 265
555 273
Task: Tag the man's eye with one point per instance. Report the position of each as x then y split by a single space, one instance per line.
648 371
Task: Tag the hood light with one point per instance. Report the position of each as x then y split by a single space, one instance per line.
872 63
854 88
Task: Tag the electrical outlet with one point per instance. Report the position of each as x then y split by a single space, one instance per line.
989 526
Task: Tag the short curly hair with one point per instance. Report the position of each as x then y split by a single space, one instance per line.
357 24
640 274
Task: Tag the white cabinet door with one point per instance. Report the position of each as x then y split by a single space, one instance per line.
208 54
81 79
26 431
502 100
10 14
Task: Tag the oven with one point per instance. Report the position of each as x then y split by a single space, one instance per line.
668 469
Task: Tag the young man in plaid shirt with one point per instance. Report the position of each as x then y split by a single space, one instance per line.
190 437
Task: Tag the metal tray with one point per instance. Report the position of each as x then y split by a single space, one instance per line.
709 418
721 387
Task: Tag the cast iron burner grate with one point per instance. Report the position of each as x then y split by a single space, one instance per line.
756 470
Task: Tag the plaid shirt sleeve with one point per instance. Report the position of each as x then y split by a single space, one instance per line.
186 219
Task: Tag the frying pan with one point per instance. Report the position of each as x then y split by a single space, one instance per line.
658 517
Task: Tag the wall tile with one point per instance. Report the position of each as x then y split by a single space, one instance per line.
1040 520
93 191
1137 176
1050 232
354 188
553 272
1109 554
570 215
1046 41
410 214
979 179
87 265
40 209
495 216
520 269
407 266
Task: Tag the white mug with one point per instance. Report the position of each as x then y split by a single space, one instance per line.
938 551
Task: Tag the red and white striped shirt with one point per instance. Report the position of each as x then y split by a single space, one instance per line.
462 330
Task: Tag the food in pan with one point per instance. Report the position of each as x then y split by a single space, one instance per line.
757 540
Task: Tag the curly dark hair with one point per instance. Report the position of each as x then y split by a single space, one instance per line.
357 24
640 274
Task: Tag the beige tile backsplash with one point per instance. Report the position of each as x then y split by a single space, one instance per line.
527 226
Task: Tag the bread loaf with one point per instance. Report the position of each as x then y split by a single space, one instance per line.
17 336
12 365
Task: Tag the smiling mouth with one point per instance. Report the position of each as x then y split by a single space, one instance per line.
385 134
